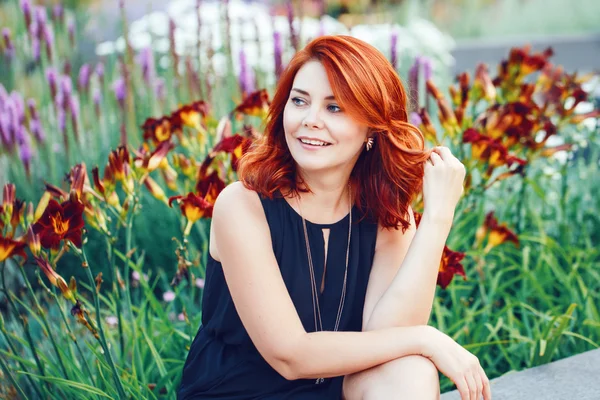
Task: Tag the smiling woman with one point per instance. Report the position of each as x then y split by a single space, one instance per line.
318 284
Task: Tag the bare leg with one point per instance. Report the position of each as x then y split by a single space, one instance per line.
410 377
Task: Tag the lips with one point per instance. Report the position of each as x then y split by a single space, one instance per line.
313 142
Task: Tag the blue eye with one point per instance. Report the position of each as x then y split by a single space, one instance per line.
298 101
338 109
294 100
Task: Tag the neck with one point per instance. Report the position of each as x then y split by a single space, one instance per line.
328 200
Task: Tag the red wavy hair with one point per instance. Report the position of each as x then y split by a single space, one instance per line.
386 179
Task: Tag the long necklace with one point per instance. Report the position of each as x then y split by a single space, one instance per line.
313 284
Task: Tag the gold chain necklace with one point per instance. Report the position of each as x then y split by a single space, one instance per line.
315 296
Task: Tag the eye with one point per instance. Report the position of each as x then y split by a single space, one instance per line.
335 107
295 99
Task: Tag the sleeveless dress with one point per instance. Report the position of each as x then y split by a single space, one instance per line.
223 363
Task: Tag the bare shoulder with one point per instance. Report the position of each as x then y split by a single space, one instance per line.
236 206
391 237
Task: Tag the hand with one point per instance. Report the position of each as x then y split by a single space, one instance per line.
458 364
442 184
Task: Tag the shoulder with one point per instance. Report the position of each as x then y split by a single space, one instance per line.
236 196
389 237
236 207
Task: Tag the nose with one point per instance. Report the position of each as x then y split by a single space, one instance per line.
312 119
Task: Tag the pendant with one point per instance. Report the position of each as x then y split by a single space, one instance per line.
319 381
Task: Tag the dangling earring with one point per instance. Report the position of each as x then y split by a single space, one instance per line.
369 143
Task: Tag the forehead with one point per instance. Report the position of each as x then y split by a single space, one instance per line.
312 78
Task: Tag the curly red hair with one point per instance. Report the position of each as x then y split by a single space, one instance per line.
386 179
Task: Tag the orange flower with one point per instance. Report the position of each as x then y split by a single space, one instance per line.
152 160
210 186
192 115
192 206
83 317
119 163
55 279
158 130
483 84
8 197
449 264
60 222
445 113
10 248
498 234
256 104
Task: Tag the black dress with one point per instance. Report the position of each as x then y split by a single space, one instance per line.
223 363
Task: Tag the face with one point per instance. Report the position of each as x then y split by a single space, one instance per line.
319 134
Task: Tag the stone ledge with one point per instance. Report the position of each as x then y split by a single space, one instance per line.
576 377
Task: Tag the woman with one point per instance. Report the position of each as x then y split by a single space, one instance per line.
312 291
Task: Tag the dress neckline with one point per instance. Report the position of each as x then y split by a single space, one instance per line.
331 225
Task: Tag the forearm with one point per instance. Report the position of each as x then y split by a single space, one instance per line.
328 354
409 297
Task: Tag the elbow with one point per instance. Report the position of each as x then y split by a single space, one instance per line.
287 360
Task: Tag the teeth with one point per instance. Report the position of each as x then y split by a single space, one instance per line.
313 142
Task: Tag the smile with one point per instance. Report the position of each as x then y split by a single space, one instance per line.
314 142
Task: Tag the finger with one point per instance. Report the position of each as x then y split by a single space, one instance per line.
487 390
472 386
479 383
463 388
444 152
435 158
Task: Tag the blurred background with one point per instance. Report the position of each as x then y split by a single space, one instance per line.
142 108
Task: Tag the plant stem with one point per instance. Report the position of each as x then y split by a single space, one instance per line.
12 379
46 325
128 231
117 293
23 323
102 339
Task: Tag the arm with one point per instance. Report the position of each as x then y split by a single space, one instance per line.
404 274
266 309
403 286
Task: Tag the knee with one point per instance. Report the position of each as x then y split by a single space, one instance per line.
410 377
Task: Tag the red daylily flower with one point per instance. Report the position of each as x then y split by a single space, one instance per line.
192 206
55 279
59 222
10 248
256 104
450 264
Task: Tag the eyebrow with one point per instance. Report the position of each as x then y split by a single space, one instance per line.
306 94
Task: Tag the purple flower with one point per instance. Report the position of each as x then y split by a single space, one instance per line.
414 118
6 131
97 97
84 77
66 86
40 15
71 29
146 61
159 88
74 107
168 296
26 8
120 90
25 152
427 67
19 106
58 13
61 116
9 49
112 321
100 72
52 77
394 51
413 81
278 54
49 40
35 48
244 76
32 109
200 283
35 126
293 35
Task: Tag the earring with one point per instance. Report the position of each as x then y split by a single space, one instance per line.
369 144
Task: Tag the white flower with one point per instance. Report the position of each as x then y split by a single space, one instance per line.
168 296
